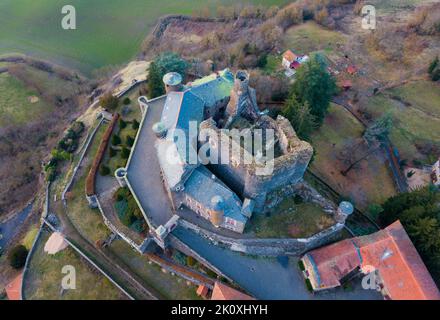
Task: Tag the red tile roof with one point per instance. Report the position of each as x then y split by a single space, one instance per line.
295 65
333 262
223 292
390 252
13 289
289 56
202 291
352 69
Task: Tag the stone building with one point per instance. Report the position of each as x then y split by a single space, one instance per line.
224 194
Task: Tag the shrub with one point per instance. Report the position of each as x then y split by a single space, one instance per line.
104 170
135 124
130 141
122 124
116 140
190 261
125 153
211 273
17 256
309 285
127 101
301 265
111 152
109 101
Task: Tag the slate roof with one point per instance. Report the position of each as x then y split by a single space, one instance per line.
203 186
180 109
214 87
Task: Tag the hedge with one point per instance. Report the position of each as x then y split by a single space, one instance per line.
90 181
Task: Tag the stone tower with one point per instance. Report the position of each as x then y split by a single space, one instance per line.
173 82
217 211
243 101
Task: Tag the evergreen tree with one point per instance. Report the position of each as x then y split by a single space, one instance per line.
315 86
300 116
380 129
116 140
155 85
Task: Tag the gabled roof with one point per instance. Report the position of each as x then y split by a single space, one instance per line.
203 186
389 251
289 56
13 289
223 292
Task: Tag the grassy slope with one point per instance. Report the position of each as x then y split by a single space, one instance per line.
108 32
309 37
361 185
290 220
414 123
171 287
15 107
44 278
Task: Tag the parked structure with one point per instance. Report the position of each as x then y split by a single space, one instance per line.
292 62
388 256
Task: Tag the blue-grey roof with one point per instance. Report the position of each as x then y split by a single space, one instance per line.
214 88
346 207
203 186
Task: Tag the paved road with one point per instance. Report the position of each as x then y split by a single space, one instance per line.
11 227
266 278
143 171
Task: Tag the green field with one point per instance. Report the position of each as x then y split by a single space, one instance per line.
109 32
416 111
15 106
43 281
309 37
360 185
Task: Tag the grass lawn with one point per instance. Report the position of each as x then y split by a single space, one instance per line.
43 281
171 287
30 236
89 222
15 105
290 220
416 111
109 32
372 183
309 37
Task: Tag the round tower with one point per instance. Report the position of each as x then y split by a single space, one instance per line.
172 81
159 130
217 211
120 174
344 210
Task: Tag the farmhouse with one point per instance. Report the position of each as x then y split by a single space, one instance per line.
389 255
292 62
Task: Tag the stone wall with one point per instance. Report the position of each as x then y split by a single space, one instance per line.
268 247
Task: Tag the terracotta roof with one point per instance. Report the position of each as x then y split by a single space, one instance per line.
13 289
223 292
202 291
352 69
333 262
390 251
403 272
289 56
